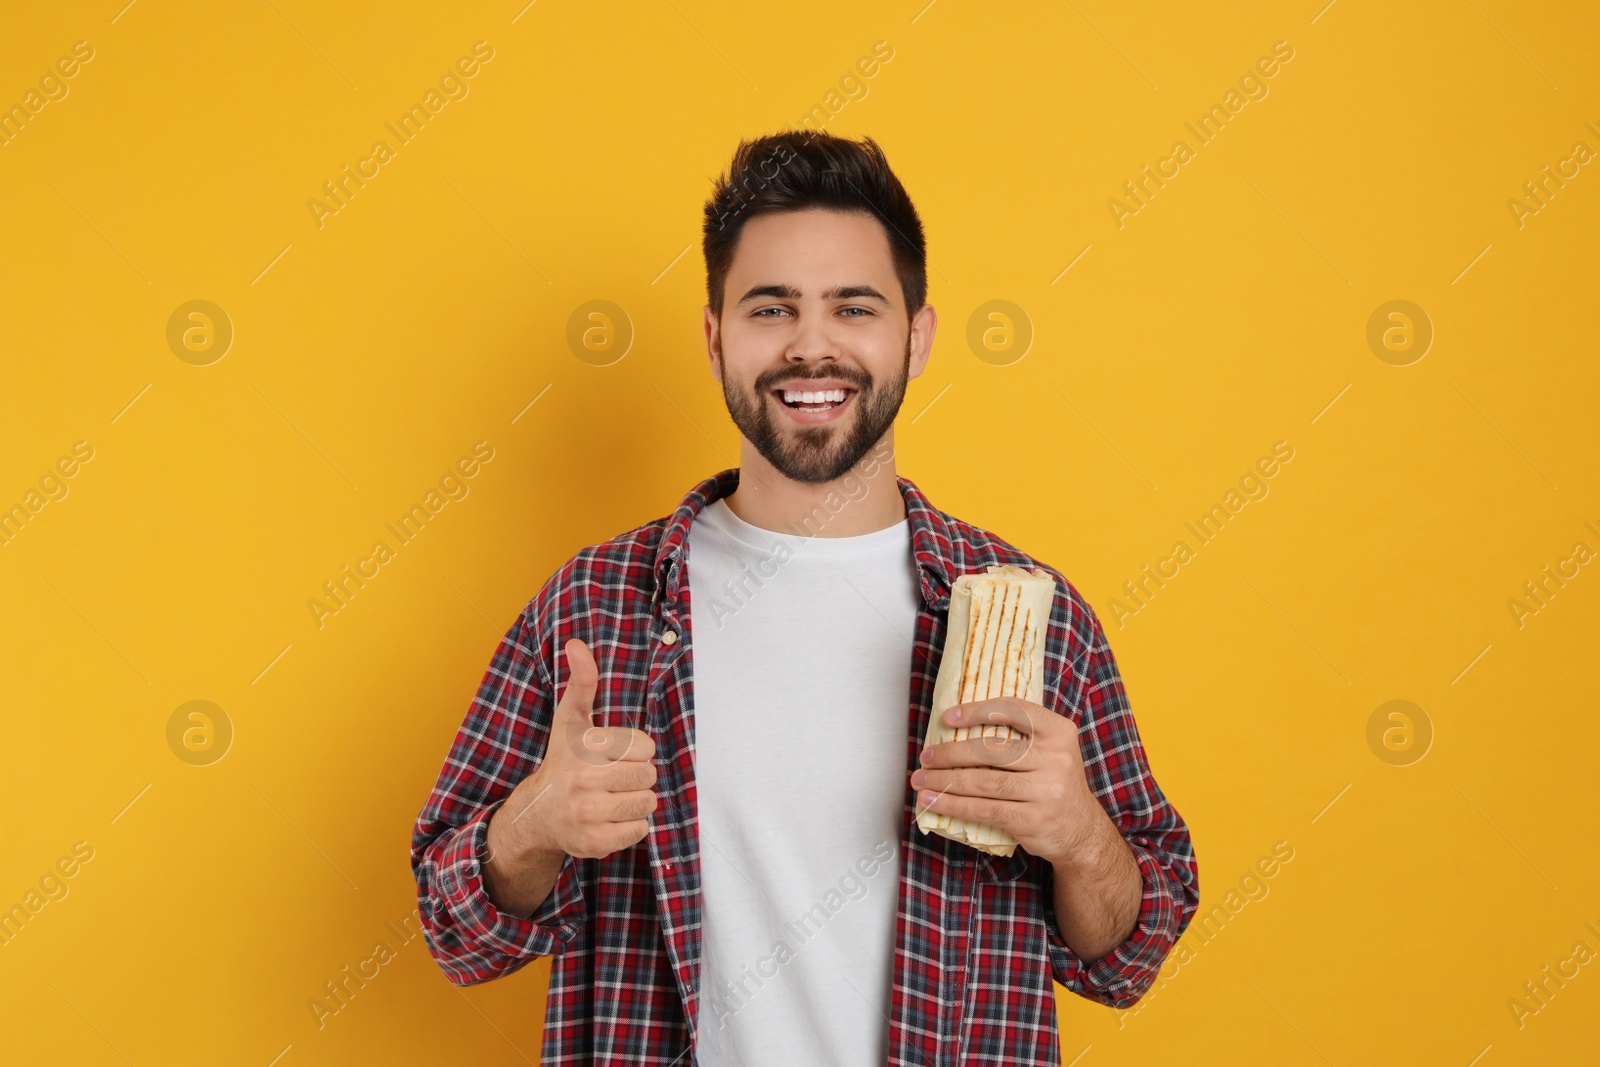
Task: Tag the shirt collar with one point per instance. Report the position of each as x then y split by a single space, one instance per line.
930 537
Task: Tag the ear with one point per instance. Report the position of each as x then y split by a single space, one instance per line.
714 343
923 325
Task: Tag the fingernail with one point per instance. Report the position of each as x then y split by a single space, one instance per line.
923 759
928 799
955 713
917 778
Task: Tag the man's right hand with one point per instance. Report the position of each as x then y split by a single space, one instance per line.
592 796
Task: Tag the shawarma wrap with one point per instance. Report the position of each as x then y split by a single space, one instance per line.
994 647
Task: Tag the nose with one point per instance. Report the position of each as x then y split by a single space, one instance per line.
811 341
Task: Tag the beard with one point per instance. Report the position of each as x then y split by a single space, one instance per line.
817 454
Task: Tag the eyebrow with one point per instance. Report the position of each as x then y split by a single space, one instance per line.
789 292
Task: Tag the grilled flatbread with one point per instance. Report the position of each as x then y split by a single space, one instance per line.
994 647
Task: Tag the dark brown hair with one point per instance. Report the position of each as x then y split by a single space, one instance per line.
797 170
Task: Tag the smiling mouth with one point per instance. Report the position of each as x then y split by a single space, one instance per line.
813 401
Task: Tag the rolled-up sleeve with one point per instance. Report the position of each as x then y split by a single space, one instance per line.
502 740
1118 772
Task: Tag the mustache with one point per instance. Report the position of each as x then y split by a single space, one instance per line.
769 380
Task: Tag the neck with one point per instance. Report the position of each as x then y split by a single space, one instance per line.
864 499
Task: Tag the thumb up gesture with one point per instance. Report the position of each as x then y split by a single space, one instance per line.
594 792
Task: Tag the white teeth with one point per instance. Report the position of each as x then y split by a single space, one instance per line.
795 396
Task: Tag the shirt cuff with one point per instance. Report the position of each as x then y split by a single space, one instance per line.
553 924
1123 975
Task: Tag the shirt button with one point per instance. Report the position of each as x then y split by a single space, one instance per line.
670 637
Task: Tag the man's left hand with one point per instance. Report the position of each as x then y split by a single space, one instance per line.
1033 787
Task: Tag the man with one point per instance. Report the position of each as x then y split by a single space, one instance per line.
711 824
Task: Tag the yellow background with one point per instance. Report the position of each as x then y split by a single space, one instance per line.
372 352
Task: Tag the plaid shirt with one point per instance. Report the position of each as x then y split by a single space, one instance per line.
977 945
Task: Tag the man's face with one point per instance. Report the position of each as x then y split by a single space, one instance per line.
812 304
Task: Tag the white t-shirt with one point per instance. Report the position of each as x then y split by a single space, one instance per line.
802 670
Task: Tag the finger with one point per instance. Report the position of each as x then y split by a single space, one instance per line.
1009 711
625 777
605 838
600 745
638 804
636 745
583 678
1006 814
628 834
981 751
974 782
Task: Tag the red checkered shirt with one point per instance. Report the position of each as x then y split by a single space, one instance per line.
977 944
